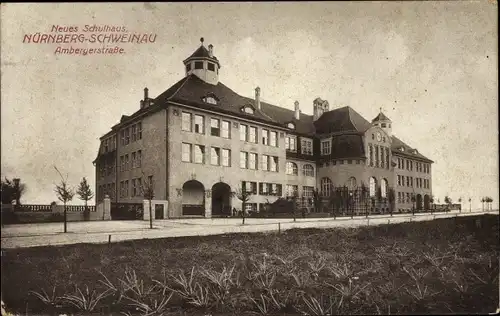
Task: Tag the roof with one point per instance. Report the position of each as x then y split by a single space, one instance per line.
202 52
343 119
381 117
348 146
283 115
408 151
192 89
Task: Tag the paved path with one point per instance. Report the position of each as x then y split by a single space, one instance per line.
31 235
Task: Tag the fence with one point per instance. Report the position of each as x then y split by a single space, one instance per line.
52 208
127 211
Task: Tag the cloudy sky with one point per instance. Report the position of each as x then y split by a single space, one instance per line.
431 66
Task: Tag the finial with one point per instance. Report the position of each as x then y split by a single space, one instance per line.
202 40
380 109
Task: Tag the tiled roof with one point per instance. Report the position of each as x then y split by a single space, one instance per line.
282 115
192 90
201 52
381 117
343 119
408 151
347 146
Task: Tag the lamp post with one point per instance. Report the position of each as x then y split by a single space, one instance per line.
470 205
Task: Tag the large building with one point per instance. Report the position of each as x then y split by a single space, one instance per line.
199 141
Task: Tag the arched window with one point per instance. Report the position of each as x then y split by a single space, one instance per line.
383 188
351 183
326 186
291 168
308 170
373 186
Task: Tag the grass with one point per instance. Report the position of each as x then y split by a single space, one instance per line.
438 267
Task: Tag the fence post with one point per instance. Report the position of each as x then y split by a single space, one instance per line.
279 228
109 239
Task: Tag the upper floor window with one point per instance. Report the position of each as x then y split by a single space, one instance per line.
186 152
274 139
291 168
373 186
273 162
226 129
199 126
198 65
252 161
199 154
291 143
384 125
214 127
326 148
308 170
306 146
265 137
351 183
186 121
252 134
243 132
226 157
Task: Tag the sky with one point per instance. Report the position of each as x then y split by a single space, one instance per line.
431 66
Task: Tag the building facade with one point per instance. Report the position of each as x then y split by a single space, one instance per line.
199 142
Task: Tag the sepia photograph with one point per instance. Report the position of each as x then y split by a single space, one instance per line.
249 158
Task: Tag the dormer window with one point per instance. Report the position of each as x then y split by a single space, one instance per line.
211 67
415 151
291 125
248 109
211 99
402 149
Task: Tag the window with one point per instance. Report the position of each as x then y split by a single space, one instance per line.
265 162
407 181
265 137
264 188
211 67
411 165
291 190
214 127
139 130
198 65
133 132
383 188
210 100
399 180
291 168
382 157
306 146
249 186
134 188
198 124
274 139
186 122
199 154
122 163
307 193
243 132
127 136
126 162
252 161
133 160
351 183
188 67
226 129
384 125
407 197
139 158
139 186
326 147
370 148
243 160
106 147
252 136
250 207
226 157
274 163
308 170
290 143
215 156
248 109
387 158
186 152
373 186
276 189
376 157
326 186
126 188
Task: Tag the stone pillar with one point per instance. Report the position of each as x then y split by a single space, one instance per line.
208 204
107 208
145 204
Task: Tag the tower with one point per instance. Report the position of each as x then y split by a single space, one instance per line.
320 107
203 64
383 122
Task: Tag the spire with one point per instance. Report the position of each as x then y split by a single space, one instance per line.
202 40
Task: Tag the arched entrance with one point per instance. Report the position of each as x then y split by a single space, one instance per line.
221 199
419 202
193 198
427 202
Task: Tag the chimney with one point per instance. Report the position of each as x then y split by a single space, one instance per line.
257 98
297 110
211 50
142 104
145 94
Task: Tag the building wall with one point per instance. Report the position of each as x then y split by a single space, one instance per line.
407 206
300 180
207 174
153 163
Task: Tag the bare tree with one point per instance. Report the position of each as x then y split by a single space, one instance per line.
65 194
244 196
460 202
391 198
85 194
147 190
317 200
